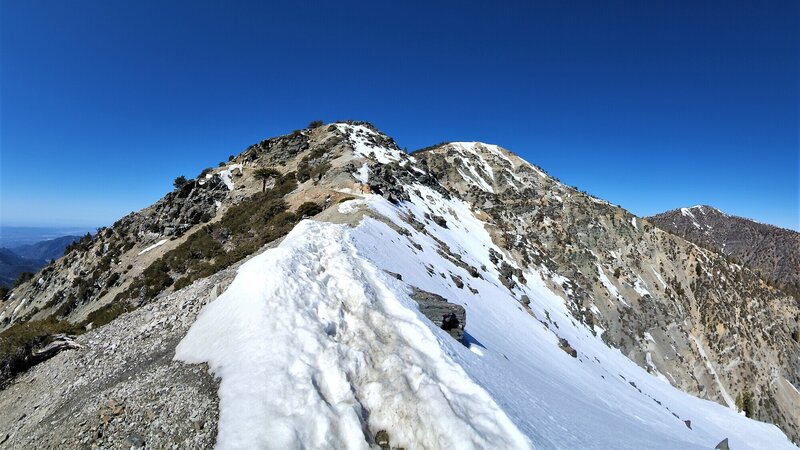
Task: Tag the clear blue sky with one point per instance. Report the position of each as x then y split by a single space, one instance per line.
648 104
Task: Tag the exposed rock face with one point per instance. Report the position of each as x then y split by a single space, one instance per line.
771 251
688 315
277 150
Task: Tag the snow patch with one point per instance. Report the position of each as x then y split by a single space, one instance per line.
700 349
648 359
351 206
658 275
686 212
157 244
360 138
609 285
225 174
640 287
362 174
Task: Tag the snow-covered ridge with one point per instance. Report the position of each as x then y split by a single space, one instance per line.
313 331
363 139
309 335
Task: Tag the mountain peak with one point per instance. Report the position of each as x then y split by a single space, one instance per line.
702 209
779 254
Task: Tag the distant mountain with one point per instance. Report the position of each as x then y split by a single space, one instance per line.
11 265
15 236
31 257
773 252
45 250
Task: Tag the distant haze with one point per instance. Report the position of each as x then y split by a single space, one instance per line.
17 236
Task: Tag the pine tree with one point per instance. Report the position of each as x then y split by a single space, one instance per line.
265 174
745 403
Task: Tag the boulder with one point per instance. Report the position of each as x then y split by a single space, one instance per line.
448 316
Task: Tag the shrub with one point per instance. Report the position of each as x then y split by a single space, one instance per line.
244 228
106 314
179 182
308 209
82 244
182 282
745 403
112 280
23 277
19 340
283 219
303 172
315 124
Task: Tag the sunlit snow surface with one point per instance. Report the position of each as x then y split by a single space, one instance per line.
310 335
313 341
157 244
360 137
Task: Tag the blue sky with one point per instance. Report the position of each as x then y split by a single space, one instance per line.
651 105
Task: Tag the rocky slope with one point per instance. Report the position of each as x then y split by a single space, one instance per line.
585 270
706 324
771 251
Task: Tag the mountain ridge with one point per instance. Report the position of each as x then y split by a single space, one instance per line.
771 250
478 223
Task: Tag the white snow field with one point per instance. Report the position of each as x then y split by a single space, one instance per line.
317 347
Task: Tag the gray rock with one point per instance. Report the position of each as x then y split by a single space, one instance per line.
563 344
135 441
448 316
